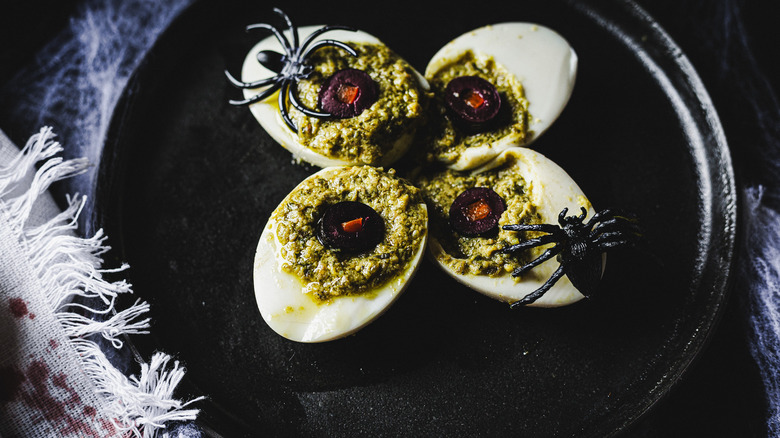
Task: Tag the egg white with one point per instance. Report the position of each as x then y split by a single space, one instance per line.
551 190
267 111
540 58
300 317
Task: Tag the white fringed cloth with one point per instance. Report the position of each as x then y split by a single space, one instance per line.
54 381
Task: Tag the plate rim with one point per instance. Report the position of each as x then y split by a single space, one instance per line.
110 181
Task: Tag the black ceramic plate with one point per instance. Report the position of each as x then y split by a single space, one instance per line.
188 182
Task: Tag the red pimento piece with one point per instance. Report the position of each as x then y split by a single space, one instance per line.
474 99
352 226
348 93
478 210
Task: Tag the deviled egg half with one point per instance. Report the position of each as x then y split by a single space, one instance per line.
496 87
469 209
376 100
337 251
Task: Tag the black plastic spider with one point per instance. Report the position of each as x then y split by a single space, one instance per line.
290 67
579 247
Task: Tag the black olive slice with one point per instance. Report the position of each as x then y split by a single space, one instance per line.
476 211
348 93
473 101
350 226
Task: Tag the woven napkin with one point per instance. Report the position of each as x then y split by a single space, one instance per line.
54 380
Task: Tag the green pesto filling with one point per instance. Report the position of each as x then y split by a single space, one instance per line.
330 272
480 255
444 141
367 137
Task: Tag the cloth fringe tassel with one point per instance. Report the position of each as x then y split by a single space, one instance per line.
68 267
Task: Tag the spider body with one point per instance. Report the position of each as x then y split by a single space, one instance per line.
578 245
290 67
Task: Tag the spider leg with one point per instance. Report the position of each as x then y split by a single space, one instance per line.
547 255
535 295
255 84
617 236
612 214
610 236
547 228
279 36
603 246
599 216
530 243
319 32
615 225
293 95
258 97
323 43
292 29
562 215
283 107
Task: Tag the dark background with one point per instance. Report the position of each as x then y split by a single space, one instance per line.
733 46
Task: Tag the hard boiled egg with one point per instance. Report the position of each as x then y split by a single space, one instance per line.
538 57
394 144
546 190
295 272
